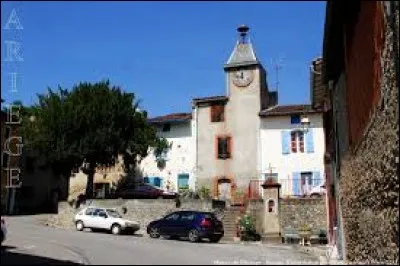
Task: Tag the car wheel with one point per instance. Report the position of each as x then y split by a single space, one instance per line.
215 239
194 235
154 233
116 229
79 226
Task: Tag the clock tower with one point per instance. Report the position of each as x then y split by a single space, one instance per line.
228 127
245 74
248 94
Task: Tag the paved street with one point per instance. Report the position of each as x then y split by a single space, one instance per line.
28 241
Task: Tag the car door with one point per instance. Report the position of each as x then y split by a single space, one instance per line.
185 223
97 220
88 218
169 223
104 220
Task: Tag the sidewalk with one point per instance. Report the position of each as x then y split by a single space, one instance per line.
326 254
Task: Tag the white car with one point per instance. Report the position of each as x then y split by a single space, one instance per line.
104 219
3 230
317 191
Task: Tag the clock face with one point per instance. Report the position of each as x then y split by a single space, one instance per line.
242 77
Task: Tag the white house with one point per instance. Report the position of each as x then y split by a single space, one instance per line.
291 154
178 171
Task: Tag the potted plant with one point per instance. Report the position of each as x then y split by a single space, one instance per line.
247 229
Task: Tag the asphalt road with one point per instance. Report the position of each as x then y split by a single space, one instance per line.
33 243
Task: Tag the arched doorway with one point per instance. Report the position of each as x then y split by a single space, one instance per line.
224 189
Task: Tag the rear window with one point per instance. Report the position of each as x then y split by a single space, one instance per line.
209 216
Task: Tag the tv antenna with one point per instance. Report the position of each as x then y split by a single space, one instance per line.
277 65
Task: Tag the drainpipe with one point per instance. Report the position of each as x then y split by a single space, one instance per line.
196 144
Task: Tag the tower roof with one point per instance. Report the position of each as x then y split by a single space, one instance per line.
243 53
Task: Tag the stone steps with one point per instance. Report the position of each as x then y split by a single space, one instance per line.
229 222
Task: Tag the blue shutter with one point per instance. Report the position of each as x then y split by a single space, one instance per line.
157 182
310 141
146 180
285 141
296 183
183 180
317 181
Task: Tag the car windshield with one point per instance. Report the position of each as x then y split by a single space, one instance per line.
114 213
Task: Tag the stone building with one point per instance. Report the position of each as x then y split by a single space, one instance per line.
361 73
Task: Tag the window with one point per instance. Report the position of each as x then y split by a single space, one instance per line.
295 119
297 141
89 211
306 182
183 181
224 147
217 113
166 127
271 206
172 217
187 216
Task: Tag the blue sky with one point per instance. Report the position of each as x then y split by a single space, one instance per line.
165 52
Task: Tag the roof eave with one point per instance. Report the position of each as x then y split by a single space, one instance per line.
241 64
289 113
198 102
172 121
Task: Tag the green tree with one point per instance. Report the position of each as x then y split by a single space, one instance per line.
88 127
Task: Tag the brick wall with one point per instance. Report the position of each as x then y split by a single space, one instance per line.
369 186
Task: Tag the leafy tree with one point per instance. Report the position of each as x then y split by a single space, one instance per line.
88 127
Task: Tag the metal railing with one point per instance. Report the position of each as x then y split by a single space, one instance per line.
289 188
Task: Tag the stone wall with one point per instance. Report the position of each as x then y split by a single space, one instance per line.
369 185
255 209
142 211
295 213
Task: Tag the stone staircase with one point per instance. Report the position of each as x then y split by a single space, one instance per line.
229 221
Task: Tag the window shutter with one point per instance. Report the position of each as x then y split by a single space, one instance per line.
146 180
317 181
183 180
285 141
229 146
157 181
310 141
296 183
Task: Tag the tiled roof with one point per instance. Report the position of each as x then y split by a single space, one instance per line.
210 99
176 117
318 88
279 110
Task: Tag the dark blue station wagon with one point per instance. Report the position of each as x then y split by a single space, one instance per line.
194 225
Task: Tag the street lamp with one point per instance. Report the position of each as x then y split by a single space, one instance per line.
305 123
